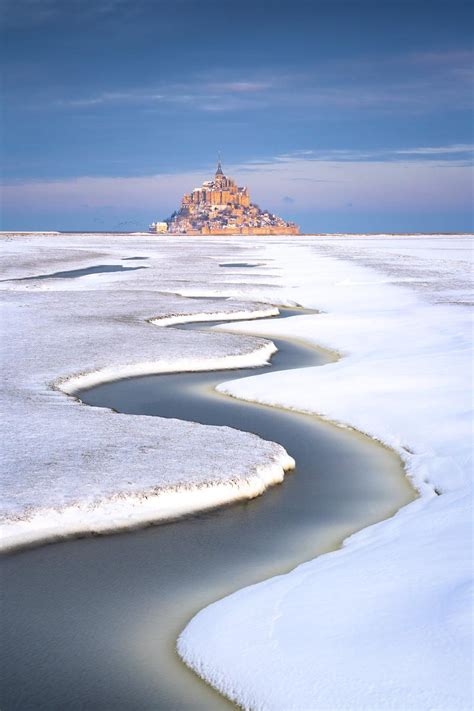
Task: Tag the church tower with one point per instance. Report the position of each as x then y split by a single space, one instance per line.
219 177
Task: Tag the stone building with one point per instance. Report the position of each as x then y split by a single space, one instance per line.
221 207
158 227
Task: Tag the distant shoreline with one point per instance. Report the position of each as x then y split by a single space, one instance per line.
138 233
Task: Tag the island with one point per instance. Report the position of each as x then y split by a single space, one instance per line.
221 207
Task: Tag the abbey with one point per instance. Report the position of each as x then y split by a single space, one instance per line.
220 207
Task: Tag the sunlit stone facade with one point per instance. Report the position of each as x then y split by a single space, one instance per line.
220 207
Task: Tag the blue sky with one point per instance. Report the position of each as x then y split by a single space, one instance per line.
340 115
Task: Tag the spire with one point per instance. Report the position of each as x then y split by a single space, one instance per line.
219 167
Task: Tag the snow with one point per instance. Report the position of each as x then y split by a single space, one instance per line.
70 469
384 622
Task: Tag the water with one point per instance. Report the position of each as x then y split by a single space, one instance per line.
74 273
239 264
92 623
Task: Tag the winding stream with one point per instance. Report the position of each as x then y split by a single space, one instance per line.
92 623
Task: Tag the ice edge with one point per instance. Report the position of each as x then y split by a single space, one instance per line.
124 512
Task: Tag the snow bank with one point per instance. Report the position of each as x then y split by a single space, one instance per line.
386 622
260 356
71 469
164 501
215 316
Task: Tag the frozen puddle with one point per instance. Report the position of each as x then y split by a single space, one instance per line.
240 264
74 273
93 623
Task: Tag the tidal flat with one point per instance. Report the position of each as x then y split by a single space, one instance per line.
127 597
395 310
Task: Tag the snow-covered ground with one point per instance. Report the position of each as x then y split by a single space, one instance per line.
68 468
384 623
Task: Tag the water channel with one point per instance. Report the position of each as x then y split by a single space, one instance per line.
92 623
76 273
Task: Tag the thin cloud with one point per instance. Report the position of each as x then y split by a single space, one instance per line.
414 83
111 98
26 13
447 59
427 153
419 185
438 150
205 96
245 87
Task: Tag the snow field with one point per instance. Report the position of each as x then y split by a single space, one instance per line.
377 624
383 623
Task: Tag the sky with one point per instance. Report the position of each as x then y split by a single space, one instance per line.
341 115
